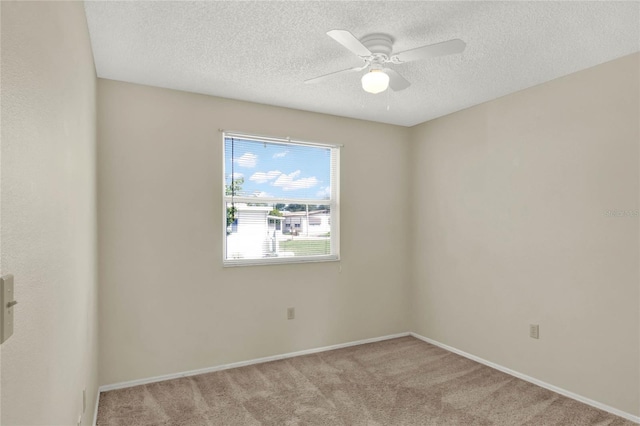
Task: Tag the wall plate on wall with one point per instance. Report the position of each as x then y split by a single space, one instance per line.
7 302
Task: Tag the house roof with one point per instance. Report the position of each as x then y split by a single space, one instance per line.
303 213
245 207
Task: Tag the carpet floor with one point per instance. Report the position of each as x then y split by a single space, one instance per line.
402 381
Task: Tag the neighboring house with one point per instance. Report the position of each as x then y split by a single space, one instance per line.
254 233
313 223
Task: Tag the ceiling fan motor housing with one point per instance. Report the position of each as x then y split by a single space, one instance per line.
380 45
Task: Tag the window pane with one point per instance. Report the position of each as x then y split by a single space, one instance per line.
260 231
262 169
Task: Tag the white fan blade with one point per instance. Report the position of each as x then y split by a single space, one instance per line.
439 49
333 74
396 81
349 41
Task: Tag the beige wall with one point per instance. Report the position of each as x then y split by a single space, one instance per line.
48 213
511 229
166 303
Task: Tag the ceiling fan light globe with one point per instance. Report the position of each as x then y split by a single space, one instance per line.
375 81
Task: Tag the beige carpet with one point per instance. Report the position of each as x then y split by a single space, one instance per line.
402 381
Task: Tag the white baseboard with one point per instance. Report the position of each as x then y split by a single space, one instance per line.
138 382
95 410
529 379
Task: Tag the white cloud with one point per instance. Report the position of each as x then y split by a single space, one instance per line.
289 182
280 154
325 192
262 177
247 160
261 194
237 175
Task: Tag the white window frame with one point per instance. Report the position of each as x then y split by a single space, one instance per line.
333 202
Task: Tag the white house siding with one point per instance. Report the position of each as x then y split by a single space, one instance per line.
250 240
319 224
252 236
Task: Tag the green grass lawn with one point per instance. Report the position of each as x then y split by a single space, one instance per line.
307 247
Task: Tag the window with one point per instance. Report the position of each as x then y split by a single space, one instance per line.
280 200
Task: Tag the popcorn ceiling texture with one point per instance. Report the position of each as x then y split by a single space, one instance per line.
263 51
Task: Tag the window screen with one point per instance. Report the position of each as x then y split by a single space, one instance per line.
280 200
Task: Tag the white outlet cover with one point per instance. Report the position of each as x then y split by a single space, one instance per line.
534 331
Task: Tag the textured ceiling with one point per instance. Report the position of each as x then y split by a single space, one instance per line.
263 51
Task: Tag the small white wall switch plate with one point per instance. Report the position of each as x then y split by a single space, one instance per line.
291 313
534 331
7 301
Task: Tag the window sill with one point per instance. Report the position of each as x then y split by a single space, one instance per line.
280 260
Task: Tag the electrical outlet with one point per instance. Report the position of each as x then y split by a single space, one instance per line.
291 313
534 331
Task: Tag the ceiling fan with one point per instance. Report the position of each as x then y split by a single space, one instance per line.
376 51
